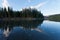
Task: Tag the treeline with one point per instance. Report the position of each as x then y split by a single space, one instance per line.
25 13
55 17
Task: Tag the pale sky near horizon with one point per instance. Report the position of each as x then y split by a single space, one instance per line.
47 7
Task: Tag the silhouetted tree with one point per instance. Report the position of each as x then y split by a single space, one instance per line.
10 12
33 13
25 13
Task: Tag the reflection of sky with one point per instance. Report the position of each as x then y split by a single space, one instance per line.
6 32
47 7
52 28
49 28
24 34
0 32
51 25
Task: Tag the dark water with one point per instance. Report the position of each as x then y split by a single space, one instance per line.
30 30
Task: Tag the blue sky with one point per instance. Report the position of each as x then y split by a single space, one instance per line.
47 7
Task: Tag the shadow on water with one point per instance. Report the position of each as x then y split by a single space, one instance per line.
21 30
22 23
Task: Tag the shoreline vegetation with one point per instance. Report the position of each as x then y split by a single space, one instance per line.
27 17
24 14
17 19
55 17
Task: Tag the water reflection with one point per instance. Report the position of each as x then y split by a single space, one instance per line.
23 30
23 23
7 30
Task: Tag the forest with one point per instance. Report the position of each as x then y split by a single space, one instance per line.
24 13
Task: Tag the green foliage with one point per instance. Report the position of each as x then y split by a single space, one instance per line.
25 13
32 13
54 17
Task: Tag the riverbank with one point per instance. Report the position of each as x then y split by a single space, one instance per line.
18 19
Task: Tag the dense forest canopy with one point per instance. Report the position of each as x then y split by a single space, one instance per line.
25 13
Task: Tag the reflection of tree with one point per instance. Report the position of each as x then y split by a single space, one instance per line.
7 26
30 24
24 23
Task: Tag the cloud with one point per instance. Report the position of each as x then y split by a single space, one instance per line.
39 5
5 4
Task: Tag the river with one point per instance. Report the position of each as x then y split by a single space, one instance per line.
46 30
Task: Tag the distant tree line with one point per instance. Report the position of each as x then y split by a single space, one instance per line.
55 17
25 13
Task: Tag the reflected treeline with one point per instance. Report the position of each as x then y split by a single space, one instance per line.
7 26
22 23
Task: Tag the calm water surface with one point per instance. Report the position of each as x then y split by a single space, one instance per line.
46 30
51 28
